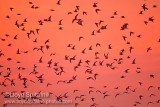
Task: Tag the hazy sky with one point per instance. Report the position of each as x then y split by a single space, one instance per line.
148 62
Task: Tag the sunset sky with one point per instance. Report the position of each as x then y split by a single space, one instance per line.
37 11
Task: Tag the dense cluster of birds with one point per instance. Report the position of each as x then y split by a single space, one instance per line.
86 67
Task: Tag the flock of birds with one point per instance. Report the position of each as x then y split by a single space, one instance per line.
86 66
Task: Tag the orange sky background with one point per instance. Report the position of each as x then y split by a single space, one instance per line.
149 62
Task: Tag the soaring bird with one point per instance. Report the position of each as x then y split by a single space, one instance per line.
148 49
